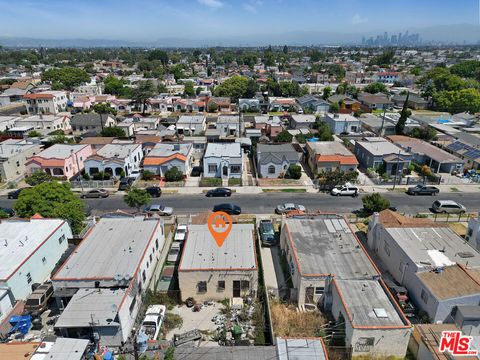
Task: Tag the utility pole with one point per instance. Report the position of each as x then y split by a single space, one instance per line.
396 170
383 122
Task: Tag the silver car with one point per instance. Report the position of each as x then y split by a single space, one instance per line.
159 210
284 208
448 206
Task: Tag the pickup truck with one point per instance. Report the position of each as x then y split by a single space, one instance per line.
423 190
153 321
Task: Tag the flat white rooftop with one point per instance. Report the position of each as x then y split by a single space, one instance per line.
120 151
60 151
20 238
201 252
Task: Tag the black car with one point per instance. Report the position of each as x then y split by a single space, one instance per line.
423 190
267 233
154 191
14 194
125 183
8 211
230 209
196 171
223 192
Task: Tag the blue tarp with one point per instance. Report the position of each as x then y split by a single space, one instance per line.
20 323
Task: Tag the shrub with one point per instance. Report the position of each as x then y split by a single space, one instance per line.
148 175
295 171
173 174
210 182
101 176
375 203
86 176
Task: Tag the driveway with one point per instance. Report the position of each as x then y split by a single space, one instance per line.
272 271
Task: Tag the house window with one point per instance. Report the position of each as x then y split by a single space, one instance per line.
271 169
132 305
221 285
424 296
156 244
61 239
144 276
319 290
245 285
150 257
202 287
44 260
29 278
212 168
235 169
386 247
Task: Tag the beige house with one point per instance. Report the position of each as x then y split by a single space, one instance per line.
13 155
210 272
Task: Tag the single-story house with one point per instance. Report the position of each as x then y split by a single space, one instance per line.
165 156
343 123
273 160
302 121
345 102
115 159
375 101
415 101
223 160
191 125
330 155
313 103
270 126
91 122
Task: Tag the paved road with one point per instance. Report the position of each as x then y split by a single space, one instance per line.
265 203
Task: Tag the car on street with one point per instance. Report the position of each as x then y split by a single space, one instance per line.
173 254
345 190
159 210
153 321
154 191
230 209
267 233
219 192
423 190
287 207
180 233
448 207
95 193
10 212
125 183
15 193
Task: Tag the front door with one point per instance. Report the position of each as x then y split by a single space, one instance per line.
236 288
225 171
309 295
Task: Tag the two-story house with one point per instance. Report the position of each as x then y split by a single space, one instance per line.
46 102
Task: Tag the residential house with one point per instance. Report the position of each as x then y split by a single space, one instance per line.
189 105
165 156
45 124
343 123
281 104
96 289
223 160
12 95
13 155
375 101
425 153
387 77
376 152
210 272
91 122
437 267
122 105
318 248
222 103
141 122
60 160
191 125
97 142
379 125
228 125
330 155
7 122
346 104
115 159
30 251
302 121
249 105
467 151
415 101
273 160
46 102
270 126
314 104
81 103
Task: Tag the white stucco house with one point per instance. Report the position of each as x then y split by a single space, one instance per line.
165 156
115 158
223 160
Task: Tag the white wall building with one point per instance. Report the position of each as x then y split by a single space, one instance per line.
46 102
115 158
45 124
13 155
223 160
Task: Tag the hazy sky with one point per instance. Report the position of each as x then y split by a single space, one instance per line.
154 19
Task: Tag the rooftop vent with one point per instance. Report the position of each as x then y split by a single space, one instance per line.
380 312
465 255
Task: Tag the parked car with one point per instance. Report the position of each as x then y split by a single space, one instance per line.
15 193
423 190
153 321
10 212
345 190
135 174
95 193
223 192
180 233
37 301
267 233
154 191
196 171
159 210
173 255
230 209
448 206
285 208
125 183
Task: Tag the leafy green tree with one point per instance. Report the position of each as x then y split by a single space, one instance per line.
334 177
189 89
284 137
285 49
137 198
37 177
404 114
169 353
376 87
385 59
142 93
294 171
52 200
104 108
458 101
113 131
59 139
324 131
66 78
114 86
327 92
336 70
334 107
467 69
148 175
375 203
34 133
212 107
236 87
424 132
252 88
173 174
161 88
160 55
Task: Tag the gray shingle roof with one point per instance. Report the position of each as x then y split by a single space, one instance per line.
90 119
273 153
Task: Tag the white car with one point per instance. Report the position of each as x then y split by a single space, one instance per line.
159 210
135 174
173 254
284 208
153 321
345 190
180 233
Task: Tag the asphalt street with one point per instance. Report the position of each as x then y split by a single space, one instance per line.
266 203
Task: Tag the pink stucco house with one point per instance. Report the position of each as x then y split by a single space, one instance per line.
60 160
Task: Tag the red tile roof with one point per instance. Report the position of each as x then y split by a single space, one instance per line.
343 160
162 160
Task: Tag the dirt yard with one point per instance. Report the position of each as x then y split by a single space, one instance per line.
288 322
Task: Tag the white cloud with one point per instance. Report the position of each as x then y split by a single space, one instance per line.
358 19
215 4
252 6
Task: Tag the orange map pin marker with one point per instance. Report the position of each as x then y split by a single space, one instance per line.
219 224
